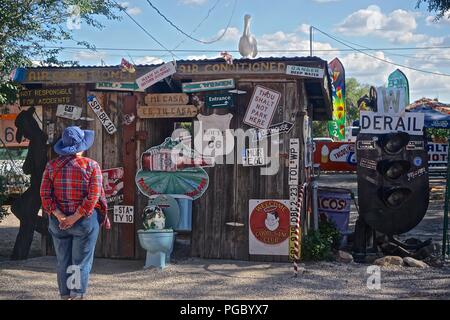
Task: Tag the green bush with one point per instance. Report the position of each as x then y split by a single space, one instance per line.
319 245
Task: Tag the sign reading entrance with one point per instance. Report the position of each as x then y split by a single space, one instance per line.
101 114
262 107
176 111
190 87
123 214
224 100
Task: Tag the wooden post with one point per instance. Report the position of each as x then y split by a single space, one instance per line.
127 238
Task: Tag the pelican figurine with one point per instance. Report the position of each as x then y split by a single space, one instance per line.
247 43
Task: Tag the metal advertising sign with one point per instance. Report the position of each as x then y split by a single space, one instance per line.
68 111
254 157
113 185
262 107
269 227
166 111
101 114
190 87
306 72
118 86
336 156
156 75
123 214
47 96
438 154
8 128
223 100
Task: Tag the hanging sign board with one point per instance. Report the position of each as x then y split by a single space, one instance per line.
190 87
68 111
269 227
159 99
118 86
411 123
123 214
101 114
306 72
46 96
223 100
262 107
176 111
158 74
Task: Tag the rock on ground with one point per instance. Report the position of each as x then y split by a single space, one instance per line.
411 262
389 261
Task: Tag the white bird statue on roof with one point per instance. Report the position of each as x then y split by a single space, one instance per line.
247 43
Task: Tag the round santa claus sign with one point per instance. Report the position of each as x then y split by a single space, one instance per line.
269 222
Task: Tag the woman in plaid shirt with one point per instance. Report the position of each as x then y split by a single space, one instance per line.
74 199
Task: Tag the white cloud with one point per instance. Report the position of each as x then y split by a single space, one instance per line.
397 26
232 34
303 28
194 2
90 55
367 69
134 11
148 60
444 21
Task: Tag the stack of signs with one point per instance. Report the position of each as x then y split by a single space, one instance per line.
391 115
262 107
293 178
167 105
156 75
101 114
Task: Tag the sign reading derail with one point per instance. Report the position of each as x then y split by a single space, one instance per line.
47 96
176 111
101 114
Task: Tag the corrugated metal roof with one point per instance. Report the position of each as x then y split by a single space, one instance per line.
281 59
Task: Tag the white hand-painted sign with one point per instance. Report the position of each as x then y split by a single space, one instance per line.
101 114
262 107
123 214
305 72
390 100
152 77
411 123
68 111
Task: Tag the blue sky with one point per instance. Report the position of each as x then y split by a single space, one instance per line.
284 25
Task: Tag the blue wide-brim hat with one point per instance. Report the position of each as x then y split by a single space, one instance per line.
74 140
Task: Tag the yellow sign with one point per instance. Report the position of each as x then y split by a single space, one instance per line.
167 111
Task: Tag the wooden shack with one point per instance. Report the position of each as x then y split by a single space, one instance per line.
220 218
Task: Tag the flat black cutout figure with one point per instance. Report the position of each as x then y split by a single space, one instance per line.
27 206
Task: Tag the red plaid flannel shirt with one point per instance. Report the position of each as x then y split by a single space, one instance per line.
74 184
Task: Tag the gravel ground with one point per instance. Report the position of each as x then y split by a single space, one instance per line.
221 279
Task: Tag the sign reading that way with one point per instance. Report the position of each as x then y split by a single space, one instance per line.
123 214
262 107
158 74
101 114
224 100
190 87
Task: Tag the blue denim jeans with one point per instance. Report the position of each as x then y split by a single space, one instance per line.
74 248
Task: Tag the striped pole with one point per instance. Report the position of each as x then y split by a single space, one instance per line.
297 234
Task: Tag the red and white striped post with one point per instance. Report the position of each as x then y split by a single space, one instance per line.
297 234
